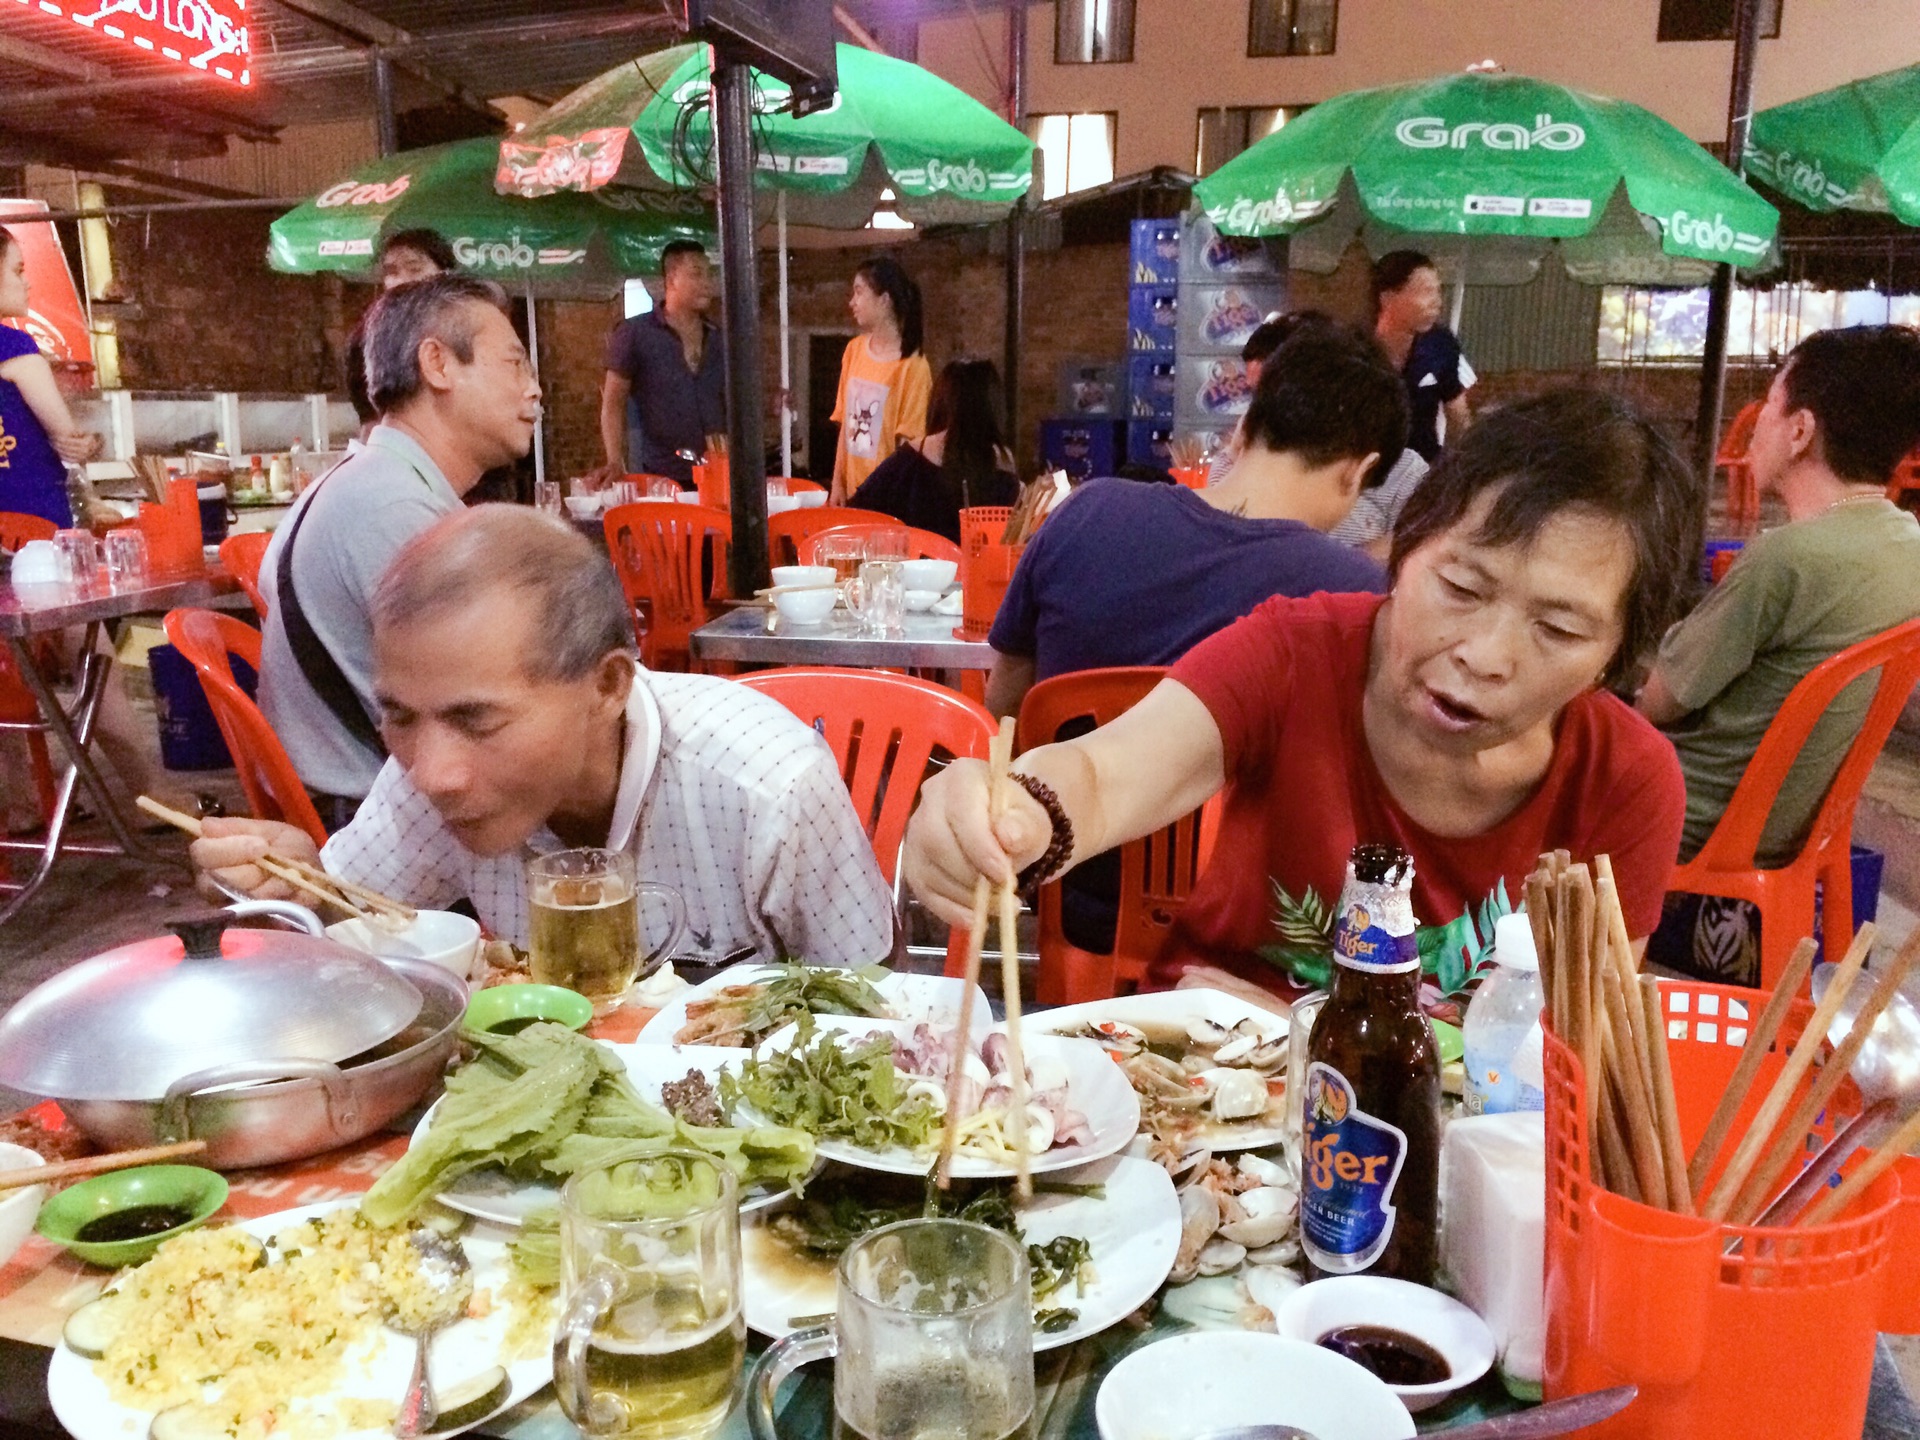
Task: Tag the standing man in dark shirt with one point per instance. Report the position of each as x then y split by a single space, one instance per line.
1406 298
670 361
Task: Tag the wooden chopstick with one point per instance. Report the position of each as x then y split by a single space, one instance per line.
1666 1106
1009 907
1759 1042
97 1164
1720 1199
773 590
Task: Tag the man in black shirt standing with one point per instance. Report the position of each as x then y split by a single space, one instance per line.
671 362
1406 297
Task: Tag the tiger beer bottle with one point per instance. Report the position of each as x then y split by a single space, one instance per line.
1371 1147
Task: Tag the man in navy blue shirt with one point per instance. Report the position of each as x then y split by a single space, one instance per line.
1406 298
670 362
1125 573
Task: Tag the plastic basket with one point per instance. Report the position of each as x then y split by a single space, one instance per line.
986 568
1773 1340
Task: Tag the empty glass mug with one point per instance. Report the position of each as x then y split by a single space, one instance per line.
653 1334
932 1337
584 913
878 597
126 551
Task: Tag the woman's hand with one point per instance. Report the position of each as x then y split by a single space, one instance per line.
230 851
953 841
76 447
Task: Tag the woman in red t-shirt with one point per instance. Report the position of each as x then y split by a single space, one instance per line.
1461 716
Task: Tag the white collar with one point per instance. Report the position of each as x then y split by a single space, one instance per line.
637 764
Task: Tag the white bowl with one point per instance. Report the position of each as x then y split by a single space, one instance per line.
438 936
689 497
934 575
811 499
584 507
39 562
1218 1379
18 1208
803 574
918 600
805 607
1440 1320
781 504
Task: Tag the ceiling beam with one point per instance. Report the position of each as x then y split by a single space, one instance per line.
370 31
97 80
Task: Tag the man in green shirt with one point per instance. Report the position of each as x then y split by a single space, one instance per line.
1839 415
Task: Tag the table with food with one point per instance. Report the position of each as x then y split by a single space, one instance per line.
390 1177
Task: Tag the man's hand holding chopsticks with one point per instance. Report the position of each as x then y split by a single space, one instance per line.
953 840
230 850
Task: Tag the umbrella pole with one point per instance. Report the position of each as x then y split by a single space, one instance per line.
739 268
533 358
786 343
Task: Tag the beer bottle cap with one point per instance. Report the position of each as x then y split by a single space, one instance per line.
1513 942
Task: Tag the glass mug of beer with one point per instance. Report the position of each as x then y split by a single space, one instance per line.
842 552
584 909
932 1336
652 1338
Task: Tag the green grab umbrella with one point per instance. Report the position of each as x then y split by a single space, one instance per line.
1855 147
647 125
1500 168
570 245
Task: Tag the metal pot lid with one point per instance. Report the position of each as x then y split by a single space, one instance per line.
127 1024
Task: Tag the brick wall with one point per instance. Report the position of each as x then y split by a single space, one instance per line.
573 337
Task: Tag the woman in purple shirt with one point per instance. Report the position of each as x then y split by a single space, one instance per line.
37 433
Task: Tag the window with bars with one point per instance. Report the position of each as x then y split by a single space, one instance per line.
1076 151
1712 19
1291 27
1092 32
1226 130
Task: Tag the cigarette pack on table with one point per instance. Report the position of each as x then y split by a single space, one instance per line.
1493 1182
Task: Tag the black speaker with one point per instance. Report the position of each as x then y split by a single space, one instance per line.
791 40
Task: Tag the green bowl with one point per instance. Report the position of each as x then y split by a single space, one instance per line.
503 1004
200 1192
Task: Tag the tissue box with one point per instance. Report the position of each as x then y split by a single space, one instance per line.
1493 1209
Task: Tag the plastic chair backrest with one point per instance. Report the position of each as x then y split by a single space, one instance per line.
1733 445
882 729
267 777
17 529
1156 872
789 531
242 554
797 486
657 552
1906 476
921 544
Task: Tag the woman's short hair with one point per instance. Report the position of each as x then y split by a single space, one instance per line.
430 243
1329 393
579 610
1393 269
887 276
439 308
1580 451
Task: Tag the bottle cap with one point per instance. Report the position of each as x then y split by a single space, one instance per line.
1513 942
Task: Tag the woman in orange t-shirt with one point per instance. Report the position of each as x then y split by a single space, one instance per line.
884 377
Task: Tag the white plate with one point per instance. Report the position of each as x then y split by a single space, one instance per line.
491 1194
1177 1007
81 1401
1134 1229
911 997
1096 1087
947 604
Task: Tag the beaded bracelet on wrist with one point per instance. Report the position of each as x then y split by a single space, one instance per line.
1059 847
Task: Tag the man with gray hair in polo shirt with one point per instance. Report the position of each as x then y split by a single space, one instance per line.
457 397
520 723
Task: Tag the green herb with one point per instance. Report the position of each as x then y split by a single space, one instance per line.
747 1014
834 1087
267 1348
1063 1260
1051 1322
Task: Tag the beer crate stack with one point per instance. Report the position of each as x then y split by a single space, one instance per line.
1225 287
1153 303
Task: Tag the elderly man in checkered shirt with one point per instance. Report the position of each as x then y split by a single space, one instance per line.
518 722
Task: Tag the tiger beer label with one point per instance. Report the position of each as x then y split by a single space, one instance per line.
1352 1162
1361 942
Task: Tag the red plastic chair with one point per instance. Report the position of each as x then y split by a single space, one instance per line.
797 486
267 777
1726 864
657 552
1156 872
789 532
1743 492
17 529
1906 477
921 544
883 730
241 555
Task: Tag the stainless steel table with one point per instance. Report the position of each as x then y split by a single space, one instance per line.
926 642
42 609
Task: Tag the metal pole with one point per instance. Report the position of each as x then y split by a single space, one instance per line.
1713 362
386 129
539 416
1016 222
747 460
786 342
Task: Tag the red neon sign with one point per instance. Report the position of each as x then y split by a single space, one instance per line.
209 35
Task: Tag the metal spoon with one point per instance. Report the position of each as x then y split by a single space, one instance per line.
445 1271
1556 1417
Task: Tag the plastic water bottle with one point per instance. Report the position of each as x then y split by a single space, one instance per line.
1504 1061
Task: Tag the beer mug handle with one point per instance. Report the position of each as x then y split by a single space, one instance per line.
595 1295
770 1372
1299 1035
853 594
678 928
